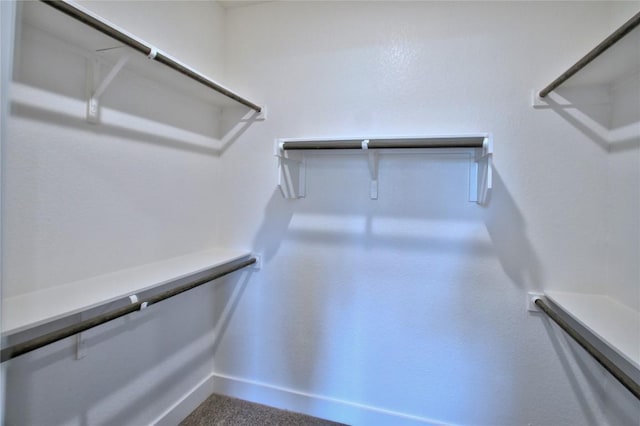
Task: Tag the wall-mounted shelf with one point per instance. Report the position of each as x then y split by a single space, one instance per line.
478 147
613 324
614 59
106 43
599 93
37 313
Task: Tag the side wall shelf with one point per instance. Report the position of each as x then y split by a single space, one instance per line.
102 42
615 58
599 92
479 147
614 325
36 314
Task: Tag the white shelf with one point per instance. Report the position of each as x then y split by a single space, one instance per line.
96 45
30 310
600 85
619 62
614 324
613 61
478 148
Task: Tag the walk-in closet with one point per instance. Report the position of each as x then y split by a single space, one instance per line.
320 212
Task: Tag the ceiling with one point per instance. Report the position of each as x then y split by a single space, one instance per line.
231 4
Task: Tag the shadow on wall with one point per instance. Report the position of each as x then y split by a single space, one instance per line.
277 216
610 117
577 381
503 220
507 229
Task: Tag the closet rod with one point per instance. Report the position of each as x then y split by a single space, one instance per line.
18 349
86 18
602 359
462 142
625 29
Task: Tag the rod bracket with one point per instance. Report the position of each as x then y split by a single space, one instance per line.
292 177
532 296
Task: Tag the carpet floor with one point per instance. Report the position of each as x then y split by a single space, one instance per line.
219 410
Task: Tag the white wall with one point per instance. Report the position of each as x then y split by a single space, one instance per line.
393 311
415 303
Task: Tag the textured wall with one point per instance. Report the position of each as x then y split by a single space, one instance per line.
415 303
412 305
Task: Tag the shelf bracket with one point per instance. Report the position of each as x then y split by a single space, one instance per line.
481 173
81 346
292 176
97 88
372 157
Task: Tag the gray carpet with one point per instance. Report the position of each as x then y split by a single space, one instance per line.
220 410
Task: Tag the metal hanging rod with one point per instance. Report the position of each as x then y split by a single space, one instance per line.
594 53
388 143
22 348
602 359
149 51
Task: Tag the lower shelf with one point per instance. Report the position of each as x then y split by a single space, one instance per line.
33 313
615 325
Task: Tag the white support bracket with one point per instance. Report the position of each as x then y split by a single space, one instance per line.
81 346
372 157
292 177
532 296
97 88
481 173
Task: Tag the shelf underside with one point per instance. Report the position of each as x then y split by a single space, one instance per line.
614 324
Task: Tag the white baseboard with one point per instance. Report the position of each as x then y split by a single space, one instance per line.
189 402
314 405
287 399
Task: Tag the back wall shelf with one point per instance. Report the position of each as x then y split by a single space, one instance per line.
478 148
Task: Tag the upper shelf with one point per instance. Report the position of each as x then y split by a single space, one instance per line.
615 58
80 27
478 147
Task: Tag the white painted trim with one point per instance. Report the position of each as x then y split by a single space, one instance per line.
314 405
287 399
185 405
